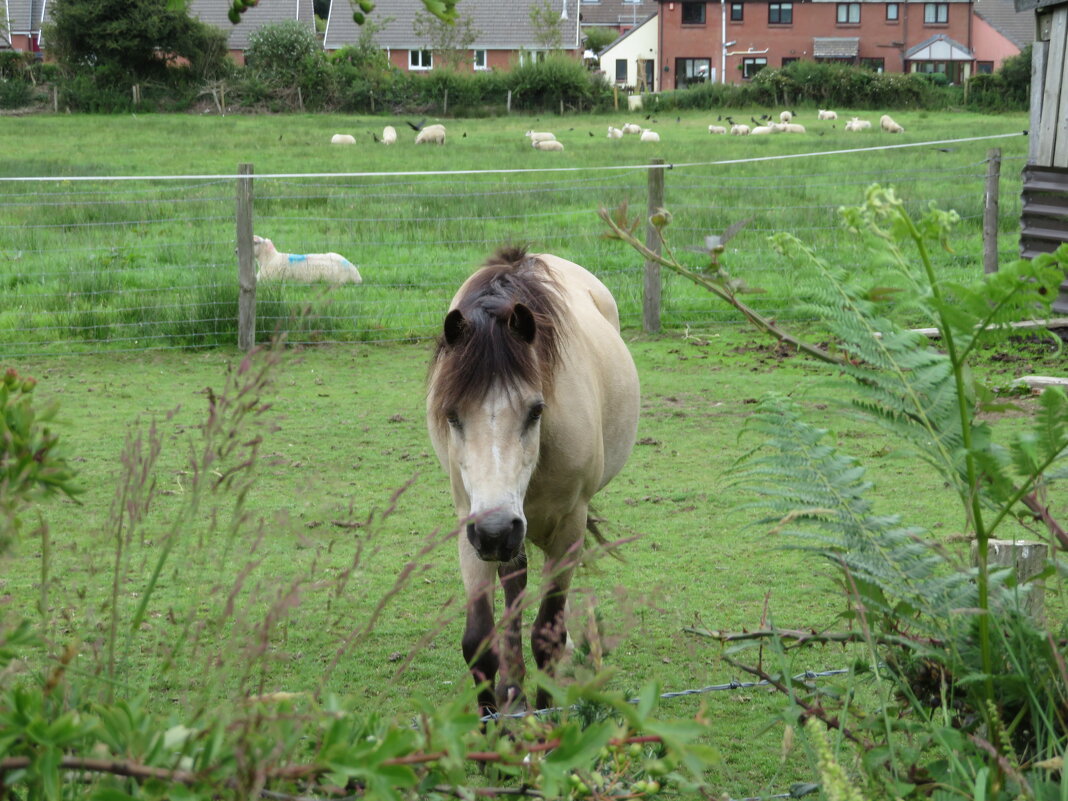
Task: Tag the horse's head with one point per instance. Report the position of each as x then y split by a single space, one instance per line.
490 381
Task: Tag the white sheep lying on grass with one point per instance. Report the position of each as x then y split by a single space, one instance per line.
614 133
332 268
540 136
785 116
342 139
547 144
824 114
717 129
739 130
632 128
431 134
389 135
791 127
857 124
649 136
761 130
887 123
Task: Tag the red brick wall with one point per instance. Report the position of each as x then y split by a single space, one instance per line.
878 38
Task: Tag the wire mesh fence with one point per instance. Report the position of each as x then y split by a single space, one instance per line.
107 264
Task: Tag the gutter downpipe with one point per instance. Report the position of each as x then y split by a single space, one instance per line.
722 41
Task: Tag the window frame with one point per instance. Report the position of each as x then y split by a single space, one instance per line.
485 59
420 66
692 7
850 10
895 16
760 62
783 10
936 10
622 62
740 9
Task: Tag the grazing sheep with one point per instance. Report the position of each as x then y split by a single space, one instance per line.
717 129
792 127
760 130
540 136
785 116
650 136
332 268
547 144
431 134
888 125
739 130
614 133
389 135
824 114
342 139
857 124
631 128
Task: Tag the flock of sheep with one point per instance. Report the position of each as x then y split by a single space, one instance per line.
424 134
787 125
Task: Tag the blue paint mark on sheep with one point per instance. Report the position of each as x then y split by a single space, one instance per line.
297 257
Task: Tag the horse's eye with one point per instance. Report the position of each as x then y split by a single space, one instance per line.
454 420
535 413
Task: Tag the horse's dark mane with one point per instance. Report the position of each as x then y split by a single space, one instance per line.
487 350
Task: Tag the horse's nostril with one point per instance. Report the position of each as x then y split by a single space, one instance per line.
497 538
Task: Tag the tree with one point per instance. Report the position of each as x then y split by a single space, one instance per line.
546 22
451 42
597 39
131 40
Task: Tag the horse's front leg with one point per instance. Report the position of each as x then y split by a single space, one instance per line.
548 639
480 651
513 576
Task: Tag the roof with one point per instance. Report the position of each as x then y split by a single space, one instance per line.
619 39
939 48
23 16
614 13
501 24
266 12
835 46
1016 26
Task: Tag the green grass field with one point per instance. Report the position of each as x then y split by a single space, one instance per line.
109 265
270 581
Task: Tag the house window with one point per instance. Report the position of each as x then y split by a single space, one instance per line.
873 64
531 56
693 13
751 66
691 70
935 13
849 13
635 2
893 12
621 70
480 60
787 60
737 14
780 14
420 60
984 67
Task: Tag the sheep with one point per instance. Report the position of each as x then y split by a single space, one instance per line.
888 125
650 136
857 124
739 130
540 136
717 129
760 130
332 268
632 128
824 114
793 127
389 135
342 139
785 116
547 144
431 134
614 133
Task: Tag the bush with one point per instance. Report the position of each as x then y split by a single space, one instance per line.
548 84
287 55
15 93
1007 89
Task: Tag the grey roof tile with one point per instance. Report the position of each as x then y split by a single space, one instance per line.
615 13
266 12
1016 26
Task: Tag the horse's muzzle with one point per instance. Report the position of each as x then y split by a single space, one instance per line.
497 537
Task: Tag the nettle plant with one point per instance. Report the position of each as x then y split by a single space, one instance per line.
956 692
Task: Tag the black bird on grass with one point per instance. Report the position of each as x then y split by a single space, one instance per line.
375 136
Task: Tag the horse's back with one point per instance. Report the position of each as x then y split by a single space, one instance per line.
580 282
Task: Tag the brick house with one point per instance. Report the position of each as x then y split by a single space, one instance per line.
619 16
20 25
732 40
266 12
505 34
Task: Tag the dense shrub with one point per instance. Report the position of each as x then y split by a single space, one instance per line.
826 84
548 84
15 93
287 56
1007 89
702 96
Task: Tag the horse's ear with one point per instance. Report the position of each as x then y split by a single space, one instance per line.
455 327
522 324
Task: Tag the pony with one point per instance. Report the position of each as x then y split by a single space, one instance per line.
532 408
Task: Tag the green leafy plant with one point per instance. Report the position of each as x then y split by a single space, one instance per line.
967 691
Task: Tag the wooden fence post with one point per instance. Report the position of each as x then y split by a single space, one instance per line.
651 285
246 261
508 102
1026 559
990 211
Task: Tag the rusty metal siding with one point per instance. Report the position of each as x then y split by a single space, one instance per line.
1044 217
